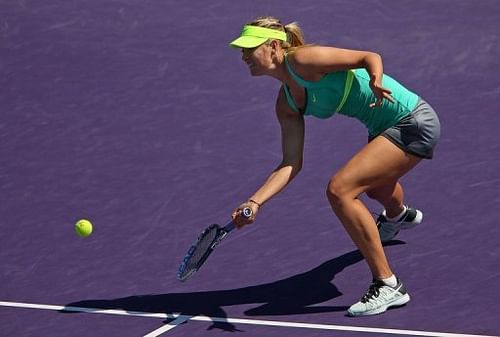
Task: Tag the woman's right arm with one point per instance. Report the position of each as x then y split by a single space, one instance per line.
292 140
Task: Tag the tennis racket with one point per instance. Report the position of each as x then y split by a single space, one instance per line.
201 249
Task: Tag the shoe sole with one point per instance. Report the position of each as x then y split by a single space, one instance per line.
397 303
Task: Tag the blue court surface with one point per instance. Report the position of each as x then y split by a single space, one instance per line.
136 115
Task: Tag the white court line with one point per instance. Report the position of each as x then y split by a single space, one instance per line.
86 310
334 327
179 320
239 321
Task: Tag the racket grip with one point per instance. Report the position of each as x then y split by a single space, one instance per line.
245 212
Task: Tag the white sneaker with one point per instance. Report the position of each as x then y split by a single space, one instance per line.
388 230
379 298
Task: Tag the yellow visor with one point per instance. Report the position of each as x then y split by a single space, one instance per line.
254 36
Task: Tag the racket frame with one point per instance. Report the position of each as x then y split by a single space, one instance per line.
220 235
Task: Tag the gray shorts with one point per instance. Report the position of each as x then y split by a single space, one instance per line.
416 133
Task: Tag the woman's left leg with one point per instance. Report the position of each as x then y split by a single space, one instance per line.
380 162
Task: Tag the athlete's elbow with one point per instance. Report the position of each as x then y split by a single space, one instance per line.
295 166
371 58
374 56
298 166
296 171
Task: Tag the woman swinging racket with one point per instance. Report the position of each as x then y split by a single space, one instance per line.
403 129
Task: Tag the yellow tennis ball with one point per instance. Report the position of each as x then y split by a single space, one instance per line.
83 228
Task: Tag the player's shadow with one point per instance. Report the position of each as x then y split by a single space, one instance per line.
299 294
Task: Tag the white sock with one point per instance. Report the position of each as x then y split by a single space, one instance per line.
391 281
399 216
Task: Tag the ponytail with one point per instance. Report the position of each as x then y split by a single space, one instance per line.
295 37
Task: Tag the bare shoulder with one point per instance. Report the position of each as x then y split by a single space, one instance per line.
310 61
307 55
307 60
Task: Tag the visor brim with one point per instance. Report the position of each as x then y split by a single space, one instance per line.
248 42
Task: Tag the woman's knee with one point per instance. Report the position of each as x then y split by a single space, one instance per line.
338 190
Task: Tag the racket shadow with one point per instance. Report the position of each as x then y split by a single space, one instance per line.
299 294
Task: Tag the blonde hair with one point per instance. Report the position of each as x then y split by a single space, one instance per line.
295 37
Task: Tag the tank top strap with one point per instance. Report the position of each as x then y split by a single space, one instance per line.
295 76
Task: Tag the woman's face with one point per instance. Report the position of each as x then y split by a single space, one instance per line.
258 59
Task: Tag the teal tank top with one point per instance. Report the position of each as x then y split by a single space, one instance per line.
349 94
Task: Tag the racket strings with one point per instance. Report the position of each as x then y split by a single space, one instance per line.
198 251
203 245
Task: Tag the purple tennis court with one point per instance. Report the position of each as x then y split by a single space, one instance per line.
137 116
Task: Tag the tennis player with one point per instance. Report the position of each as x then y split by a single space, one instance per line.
403 129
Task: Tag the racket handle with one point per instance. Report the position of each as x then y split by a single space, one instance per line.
245 212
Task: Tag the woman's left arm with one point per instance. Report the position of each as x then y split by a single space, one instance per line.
323 60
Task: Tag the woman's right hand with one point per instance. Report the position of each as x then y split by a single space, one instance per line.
380 94
241 220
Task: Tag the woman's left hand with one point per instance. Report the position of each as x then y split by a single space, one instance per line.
380 93
239 219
